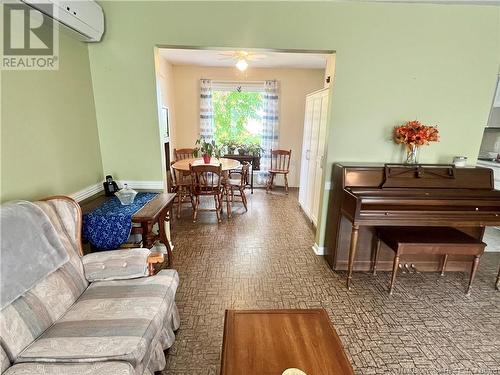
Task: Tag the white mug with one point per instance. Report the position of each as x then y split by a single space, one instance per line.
460 161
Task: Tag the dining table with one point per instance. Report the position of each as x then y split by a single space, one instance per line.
227 165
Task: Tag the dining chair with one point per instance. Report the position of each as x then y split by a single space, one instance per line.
206 180
184 153
181 186
236 184
280 164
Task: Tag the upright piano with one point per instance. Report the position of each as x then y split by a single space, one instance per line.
364 196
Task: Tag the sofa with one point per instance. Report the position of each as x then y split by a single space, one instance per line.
99 313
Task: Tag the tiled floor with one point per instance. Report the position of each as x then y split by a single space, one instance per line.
263 259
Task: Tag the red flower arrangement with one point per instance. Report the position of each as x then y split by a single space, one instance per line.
415 133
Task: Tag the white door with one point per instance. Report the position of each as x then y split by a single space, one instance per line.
305 157
320 157
313 149
311 172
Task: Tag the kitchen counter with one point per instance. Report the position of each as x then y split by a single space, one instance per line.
488 163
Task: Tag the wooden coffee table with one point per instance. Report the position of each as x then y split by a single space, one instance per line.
271 341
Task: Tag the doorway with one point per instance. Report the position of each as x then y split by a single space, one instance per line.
237 112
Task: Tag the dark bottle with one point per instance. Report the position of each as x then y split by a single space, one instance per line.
110 187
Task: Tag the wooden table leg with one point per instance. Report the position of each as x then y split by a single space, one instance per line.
163 236
352 253
146 234
229 197
251 179
475 264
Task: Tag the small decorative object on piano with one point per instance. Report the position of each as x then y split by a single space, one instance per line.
460 161
126 195
414 134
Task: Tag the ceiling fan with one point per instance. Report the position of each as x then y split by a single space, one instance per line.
241 57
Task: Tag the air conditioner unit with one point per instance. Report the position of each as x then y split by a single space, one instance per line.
83 18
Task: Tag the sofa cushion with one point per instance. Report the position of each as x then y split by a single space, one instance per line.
101 368
116 264
112 320
30 315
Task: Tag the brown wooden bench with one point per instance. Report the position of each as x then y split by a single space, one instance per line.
428 240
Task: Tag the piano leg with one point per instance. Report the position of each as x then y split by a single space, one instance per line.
352 253
395 266
473 272
497 284
443 265
375 255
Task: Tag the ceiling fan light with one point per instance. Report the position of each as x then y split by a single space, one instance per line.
242 65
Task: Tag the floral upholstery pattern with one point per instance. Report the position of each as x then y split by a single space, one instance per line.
64 325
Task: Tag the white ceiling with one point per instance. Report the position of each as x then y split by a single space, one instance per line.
272 60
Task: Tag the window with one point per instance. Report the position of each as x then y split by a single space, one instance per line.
238 113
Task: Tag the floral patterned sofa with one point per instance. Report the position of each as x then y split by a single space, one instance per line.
96 314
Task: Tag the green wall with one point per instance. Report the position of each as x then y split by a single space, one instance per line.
49 139
395 62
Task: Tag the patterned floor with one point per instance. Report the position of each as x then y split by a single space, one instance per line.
263 259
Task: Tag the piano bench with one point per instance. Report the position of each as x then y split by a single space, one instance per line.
428 240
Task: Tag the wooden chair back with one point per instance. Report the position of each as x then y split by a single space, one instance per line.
183 153
206 179
280 160
179 177
244 173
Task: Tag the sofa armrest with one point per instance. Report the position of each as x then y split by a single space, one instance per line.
116 264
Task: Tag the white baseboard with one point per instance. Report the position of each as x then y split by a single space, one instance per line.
97 188
87 192
153 185
318 250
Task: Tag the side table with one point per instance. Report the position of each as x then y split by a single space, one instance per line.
156 211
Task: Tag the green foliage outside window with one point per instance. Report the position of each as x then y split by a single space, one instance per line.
233 112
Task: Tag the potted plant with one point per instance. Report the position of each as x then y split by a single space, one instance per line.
254 149
242 149
207 150
231 145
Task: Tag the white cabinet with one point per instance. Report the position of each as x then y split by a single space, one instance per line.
313 151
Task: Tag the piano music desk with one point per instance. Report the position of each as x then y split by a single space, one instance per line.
428 240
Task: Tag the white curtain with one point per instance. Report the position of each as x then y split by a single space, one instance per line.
270 123
206 111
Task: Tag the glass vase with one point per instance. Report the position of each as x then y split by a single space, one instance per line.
411 154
